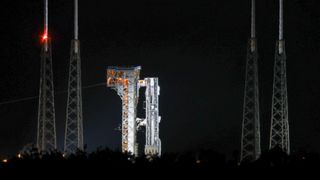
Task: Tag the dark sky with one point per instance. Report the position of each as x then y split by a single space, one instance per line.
196 48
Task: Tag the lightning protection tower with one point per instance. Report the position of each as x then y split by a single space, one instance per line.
46 132
279 132
74 126
125 82
250 139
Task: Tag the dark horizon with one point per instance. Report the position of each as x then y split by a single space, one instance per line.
196 48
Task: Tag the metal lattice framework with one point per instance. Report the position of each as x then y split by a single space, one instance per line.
74 121
250 139
46 131
152 119
46 136
279 133
125 82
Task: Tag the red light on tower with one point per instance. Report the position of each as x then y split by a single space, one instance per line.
44 40
45 37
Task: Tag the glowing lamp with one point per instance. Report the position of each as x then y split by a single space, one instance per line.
45 37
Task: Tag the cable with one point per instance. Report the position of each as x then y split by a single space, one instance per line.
36 97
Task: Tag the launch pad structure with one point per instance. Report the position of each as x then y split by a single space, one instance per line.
126 82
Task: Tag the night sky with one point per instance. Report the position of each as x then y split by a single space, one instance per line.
196 48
